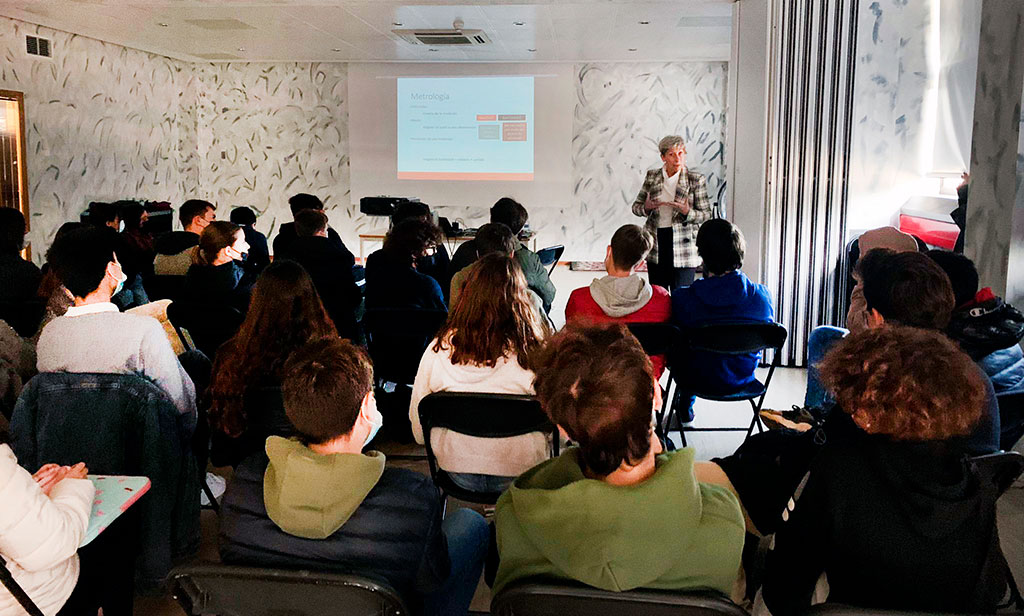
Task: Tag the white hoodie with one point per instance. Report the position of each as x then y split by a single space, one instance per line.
459 453
40 534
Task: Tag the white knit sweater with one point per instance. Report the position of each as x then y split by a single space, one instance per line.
40 534
459 453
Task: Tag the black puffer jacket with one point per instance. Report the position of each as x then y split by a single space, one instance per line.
986 325
393 537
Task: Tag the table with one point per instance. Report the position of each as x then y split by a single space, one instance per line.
452 242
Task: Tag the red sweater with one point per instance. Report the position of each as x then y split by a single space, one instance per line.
658 309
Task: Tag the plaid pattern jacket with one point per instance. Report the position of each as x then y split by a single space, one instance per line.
684 228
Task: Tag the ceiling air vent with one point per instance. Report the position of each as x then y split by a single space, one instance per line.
438 38
36 46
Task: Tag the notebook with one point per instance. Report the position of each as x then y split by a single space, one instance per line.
114 495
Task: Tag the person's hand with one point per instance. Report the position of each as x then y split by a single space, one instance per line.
651 204
683 207
78 471
50 475
965 178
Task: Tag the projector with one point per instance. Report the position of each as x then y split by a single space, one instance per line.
381 206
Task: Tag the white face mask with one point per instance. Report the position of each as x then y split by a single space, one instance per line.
376 421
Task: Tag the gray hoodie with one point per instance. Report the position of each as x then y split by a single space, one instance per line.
619 297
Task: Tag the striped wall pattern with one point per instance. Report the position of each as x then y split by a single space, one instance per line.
811 111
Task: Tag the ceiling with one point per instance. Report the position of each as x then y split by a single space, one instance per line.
360 31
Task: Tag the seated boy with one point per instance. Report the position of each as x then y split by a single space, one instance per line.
623 295
319 503
93 336
174 249
612 512
723 295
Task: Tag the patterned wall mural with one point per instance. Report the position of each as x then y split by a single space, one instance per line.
104 122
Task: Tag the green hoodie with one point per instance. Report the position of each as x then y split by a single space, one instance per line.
311 495
669 532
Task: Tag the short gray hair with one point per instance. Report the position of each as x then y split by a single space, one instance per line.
667 143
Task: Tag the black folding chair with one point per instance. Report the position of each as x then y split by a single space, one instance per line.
725 339
250 591
481 415
204 326
550 256
397 339
657 339
1002 468
547 598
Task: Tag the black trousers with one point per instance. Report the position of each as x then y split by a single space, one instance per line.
107 571
662 273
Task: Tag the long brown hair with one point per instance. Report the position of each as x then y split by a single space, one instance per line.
285 313
215 237
494 316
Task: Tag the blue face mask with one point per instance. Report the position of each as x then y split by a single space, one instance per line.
120 283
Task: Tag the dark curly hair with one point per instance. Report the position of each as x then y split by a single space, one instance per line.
596 382
285 314
909 383
408 240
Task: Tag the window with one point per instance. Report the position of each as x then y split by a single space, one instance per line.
13 172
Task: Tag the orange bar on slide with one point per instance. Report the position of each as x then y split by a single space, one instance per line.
442 175
486 118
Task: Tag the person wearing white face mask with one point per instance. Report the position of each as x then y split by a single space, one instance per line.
377 521
93 336
216 276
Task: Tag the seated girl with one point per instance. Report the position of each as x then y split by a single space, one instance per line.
486 345
216 276
285 314
892 511
392 280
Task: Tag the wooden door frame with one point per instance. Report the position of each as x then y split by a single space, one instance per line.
19 97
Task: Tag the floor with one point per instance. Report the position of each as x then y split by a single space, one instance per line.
787 388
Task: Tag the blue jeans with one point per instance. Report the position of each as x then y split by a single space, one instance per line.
822 339
468 538
476 482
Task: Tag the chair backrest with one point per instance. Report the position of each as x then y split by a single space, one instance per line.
550 255
208 326
164 286
397 338
1002 468
118 424
655 338
1011 418
23 316
837 609
734 338
248 591
568 599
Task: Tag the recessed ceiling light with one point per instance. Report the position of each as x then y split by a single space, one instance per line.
163 24
531 50
397 24
518 23
241 49
644 23
631 49
335 48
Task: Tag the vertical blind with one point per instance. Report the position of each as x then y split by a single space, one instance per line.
810 116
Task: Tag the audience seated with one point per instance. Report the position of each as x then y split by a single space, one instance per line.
486 346
215 276
723 295
391 277
612 512
258 257
892 511
622 295
286 234
93 336
319 503
330 268
174 249
490 238
823 337
17 366
908 288
284 315
43 520
435 264
988 329
513 215
19 279
108 217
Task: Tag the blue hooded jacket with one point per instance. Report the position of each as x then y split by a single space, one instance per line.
721 299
